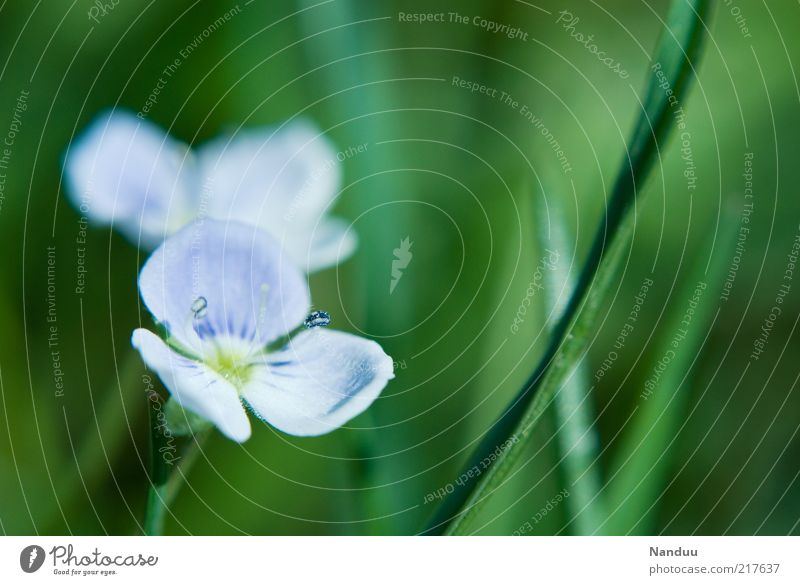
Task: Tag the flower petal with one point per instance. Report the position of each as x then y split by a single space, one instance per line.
282 179
223 279
194 386
319 382
128 172
332 241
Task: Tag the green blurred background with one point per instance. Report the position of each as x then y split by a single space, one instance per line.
474 184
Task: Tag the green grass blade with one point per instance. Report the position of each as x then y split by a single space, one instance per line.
560 369
577 438
676 53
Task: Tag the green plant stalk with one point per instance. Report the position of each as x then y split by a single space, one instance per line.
639 469
155 510
166 479
577 438
189 457
560 368
676 56
578 445
156 503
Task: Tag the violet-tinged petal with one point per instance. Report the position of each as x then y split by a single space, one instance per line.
223 279
195 386
319 382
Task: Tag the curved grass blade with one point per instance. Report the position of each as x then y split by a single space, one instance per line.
577 439
677 50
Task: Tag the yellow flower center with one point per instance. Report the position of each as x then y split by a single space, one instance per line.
232 359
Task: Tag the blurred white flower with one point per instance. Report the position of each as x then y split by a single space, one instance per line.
131 174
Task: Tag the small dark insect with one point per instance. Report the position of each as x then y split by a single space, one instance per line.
317 319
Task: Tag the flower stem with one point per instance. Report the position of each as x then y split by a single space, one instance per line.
155 510
188 458
166 479
156 504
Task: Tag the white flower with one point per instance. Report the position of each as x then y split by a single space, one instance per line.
132 175
225 294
